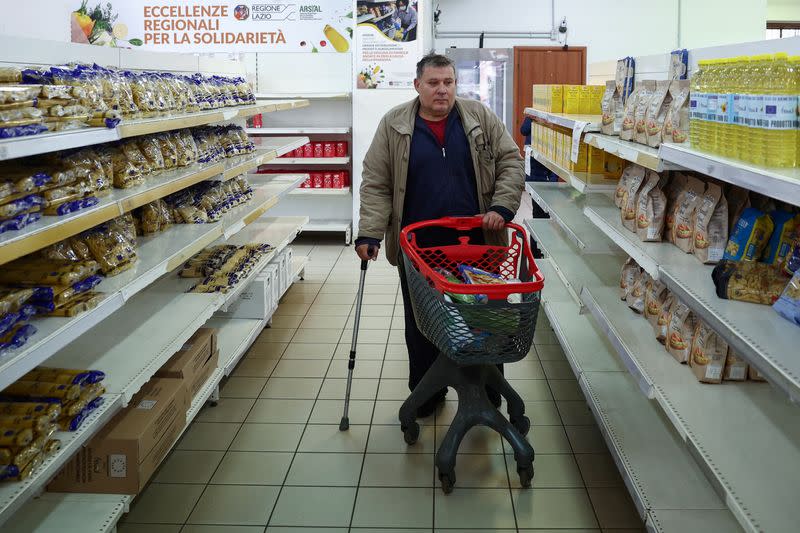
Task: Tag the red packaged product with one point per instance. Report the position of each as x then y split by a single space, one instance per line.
337 181
308 150
298 152
318 149
306 184
317 180
327 180
329 149
346 178
257 122
341 149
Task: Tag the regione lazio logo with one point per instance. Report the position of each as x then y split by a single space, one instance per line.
268 12
241 12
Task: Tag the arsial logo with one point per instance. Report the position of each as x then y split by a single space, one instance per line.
241 12
310 9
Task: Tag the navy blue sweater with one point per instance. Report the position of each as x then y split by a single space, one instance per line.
441 180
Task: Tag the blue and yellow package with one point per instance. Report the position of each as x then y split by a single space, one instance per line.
780 244
788 305
750 235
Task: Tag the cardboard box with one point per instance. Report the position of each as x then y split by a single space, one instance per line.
596 160
253 302
583 156
126 452
194 386
193 363
613 166
572 99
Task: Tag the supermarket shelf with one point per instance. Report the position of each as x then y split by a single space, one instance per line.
280 145
299 264
299 131
565 120
345 191
382 17
574 269
308 96
655 464
70 513
200 399
554 289
576 180
782 184
565 206
278 232
310 161
328 225
686 520
761 423
158 254
266 151
284 104
640 154
136 341
234 338
366 17
761 336
14 494
51 142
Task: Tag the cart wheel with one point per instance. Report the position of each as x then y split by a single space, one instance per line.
523 424
411 433
448 481
525 475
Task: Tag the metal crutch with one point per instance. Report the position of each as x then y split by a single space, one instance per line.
344 425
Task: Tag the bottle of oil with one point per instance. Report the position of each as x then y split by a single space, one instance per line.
723 131
697 106
780 111
755 151
794 66
739 109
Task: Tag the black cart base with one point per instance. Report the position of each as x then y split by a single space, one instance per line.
474 409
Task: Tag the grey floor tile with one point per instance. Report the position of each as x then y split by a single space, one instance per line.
318 336
369 322
394 508
575 413
481 471
487 509
253 468
365 369
301 368
235 505
164 504
363 351
526 369
325 469
328 438
255 368
550 352
542 413
395 370
273 411
389 439
314 506
291 321
226 410
387 413
301 350
397 470
548 439
192 528
397 352
368 336
553 508
278 334
123 527
208 436
183 466
361 389
551 471
479 439
268 438
566 389
324 322
292 309
292 388
266 350
242 387
599 470
558 370
330 412
289 529
393 389
586 439
532 390
615 508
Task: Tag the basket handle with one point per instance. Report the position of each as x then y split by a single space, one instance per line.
457 223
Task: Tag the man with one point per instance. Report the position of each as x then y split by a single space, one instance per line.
436 156
408 20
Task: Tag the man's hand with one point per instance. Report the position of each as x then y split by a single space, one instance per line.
366 252
493 221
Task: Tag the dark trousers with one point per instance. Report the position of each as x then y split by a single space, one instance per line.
421 352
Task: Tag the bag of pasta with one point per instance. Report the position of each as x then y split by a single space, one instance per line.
152 152
748 281
126 173
680 332
788 305
709 353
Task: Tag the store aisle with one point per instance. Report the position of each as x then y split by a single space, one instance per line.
271 454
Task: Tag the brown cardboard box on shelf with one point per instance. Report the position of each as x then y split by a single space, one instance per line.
193 363
126 452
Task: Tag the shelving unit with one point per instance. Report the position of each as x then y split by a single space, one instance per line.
567 121
578 181
344 191
309 96
87 513
298 131
629 151
309 161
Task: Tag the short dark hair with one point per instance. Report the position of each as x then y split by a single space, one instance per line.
434 60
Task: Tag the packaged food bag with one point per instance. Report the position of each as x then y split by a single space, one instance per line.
710 225
661 327
709 353
630 271
673 189
624 180
655 296
608 107
676 121
755 375
684 213
780 243
628 128
735 367
657 113
680 332
738 200
635 297
792 262
629 198
751 234
748 281
788 305
646 95
651 208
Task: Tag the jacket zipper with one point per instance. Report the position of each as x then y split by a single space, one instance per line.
444 153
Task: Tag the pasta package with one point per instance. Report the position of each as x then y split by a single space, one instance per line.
780 243
636 295
752 233
710 226
682 232
661 327
673 190
628 129
709 353
651 208
680 332
630 271
655 297
647 92
735 367
656 113
748 281
676 122
788 304
41 390
630 197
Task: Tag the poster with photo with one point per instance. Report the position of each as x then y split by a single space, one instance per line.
389 43
315 26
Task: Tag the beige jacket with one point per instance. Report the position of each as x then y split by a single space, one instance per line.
499 169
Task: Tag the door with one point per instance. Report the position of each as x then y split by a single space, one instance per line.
542 64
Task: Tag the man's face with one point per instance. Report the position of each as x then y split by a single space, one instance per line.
437 90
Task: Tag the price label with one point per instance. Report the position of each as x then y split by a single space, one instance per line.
577 131
528 155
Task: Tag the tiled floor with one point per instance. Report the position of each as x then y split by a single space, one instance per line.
270 457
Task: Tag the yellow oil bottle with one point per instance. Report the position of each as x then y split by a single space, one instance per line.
340 44
780 113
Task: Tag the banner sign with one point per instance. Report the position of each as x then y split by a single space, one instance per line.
389 44
313 26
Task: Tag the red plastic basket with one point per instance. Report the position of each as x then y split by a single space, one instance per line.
508 262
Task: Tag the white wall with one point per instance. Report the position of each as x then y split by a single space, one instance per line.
610 28
783 10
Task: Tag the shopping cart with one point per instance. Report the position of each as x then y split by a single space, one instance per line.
497 326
